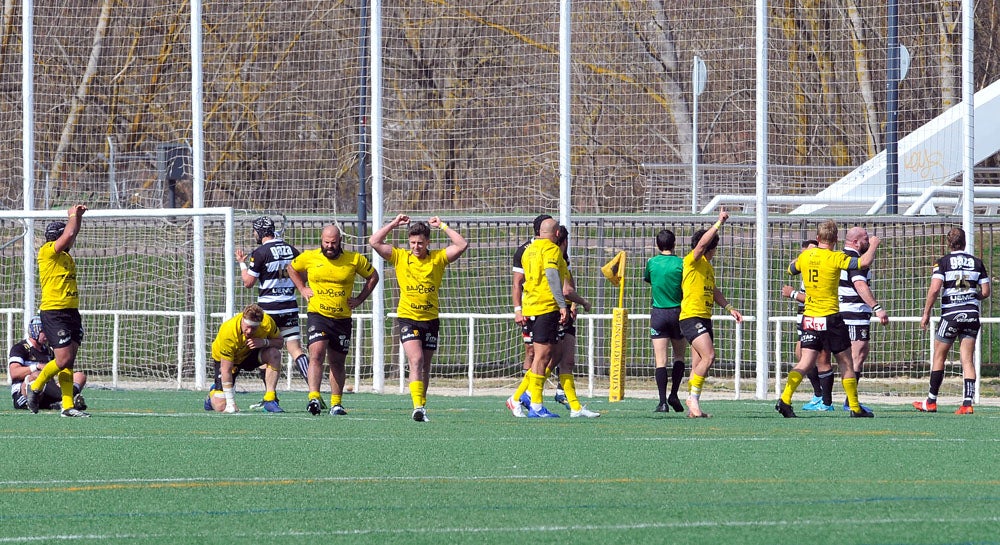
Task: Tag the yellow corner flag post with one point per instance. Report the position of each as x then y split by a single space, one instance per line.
614 271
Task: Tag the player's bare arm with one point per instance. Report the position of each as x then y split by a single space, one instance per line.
369 287
68 237
377 240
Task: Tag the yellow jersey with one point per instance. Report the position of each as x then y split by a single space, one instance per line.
698 287
419 283
820 268
537 298
57 276
231 344
332 280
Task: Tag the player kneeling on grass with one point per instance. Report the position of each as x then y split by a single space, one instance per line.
26 359
249 340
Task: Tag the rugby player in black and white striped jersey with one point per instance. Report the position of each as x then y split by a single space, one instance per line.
267 267
962 282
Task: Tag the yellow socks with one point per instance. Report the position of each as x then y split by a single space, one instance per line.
569 388
270 396
314 395
851 388
66 387
417 393
523 386
535 385
793 381
335 399
694 384
46 375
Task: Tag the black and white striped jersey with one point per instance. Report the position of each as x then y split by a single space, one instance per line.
962 275
853 308
268 263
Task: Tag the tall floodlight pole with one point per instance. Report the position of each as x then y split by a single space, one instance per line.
762 250
378 296
892 111
362 122
28 154
698 78
565 114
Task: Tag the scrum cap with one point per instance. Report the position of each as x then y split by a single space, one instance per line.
54 230
263 226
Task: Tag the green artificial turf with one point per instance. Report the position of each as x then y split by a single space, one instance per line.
153 467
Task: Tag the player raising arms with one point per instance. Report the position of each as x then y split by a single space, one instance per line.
419 272
823 327
59 310
700 293
330 271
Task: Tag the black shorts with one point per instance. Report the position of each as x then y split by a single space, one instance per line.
288 324
825 333
665 323
544 328
249 363
526 332
423 331
692 328
51 397
569 328
337 331
858 332
957 326
62 327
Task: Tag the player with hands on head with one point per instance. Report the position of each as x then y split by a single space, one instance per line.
419 272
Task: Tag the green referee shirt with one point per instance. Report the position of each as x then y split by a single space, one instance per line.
664 273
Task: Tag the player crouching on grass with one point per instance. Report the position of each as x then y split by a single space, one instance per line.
249 340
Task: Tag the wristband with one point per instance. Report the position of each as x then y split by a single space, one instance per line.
729 307
267 342
794 296
444 226
877 307
243 266
72 215
517 309
718 225
33 367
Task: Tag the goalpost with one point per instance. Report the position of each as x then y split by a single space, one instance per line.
143 302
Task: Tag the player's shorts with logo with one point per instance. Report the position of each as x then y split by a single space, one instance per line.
424 331
544 327
960 325
288 324
62 327
692 328
335 330
665 323
825 333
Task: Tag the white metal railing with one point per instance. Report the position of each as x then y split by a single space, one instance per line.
586 321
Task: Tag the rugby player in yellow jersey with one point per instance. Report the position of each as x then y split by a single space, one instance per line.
59 310
700 293
249 340
823 328
329 272
545 308
419 272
